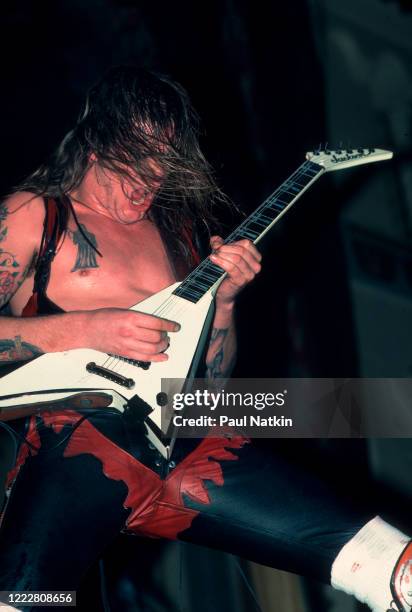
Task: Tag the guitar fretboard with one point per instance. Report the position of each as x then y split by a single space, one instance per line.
254 227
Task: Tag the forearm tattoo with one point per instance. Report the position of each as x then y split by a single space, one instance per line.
17 350
9 266
86 255
214 362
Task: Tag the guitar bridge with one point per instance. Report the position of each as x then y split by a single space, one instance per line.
145 365
93 368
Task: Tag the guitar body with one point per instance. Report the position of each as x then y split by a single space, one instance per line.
57 375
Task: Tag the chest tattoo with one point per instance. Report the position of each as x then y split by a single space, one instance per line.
86 255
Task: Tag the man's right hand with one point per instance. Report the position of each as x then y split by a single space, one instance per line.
131 334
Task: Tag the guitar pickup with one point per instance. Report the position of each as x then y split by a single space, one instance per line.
93 368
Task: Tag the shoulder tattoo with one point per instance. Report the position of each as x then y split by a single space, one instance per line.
9 266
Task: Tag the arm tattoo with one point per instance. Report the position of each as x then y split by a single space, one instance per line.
9 266
17 350
214 365
86 255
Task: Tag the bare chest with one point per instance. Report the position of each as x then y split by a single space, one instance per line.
133 265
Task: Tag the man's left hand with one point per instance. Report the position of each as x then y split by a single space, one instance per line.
241 260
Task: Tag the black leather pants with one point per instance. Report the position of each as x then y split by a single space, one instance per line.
82 485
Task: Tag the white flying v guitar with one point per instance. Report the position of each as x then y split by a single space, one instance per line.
73 378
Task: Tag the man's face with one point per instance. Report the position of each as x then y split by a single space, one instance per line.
128 197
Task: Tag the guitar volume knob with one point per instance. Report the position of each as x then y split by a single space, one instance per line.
162 399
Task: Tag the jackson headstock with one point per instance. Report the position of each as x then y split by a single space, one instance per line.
346 158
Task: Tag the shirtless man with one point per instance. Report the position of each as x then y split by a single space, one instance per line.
122 197
96 291
98 279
